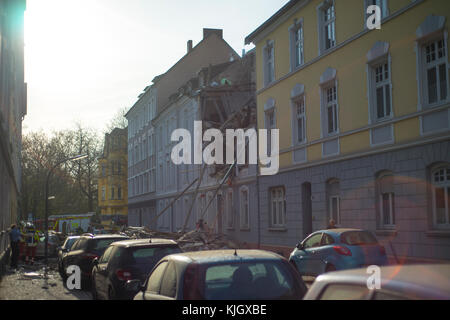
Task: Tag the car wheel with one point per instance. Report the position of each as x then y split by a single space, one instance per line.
330 268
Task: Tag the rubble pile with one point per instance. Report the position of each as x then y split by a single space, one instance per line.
196 240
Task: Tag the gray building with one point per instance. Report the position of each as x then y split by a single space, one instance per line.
13 107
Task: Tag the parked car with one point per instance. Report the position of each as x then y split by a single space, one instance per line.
337 249
64 249
127 260
222 275
84 251
407 282
52 245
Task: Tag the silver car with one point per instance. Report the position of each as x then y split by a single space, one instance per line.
401 282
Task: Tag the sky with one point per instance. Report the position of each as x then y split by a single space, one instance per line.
87 59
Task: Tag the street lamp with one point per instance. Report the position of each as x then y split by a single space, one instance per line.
75 158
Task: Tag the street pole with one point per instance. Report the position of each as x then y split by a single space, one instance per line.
76 158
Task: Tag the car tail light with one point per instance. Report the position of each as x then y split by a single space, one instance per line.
342 250
123 275
89 256
382 250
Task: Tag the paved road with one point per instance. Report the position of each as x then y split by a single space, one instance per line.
31 283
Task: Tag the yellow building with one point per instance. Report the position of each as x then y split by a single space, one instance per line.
112 181
364 122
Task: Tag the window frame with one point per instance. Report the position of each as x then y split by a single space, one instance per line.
323 24
384 6
446 186
268 63
277 222
296 45
230 210
431 29
391 225
384 60
244 219
295 101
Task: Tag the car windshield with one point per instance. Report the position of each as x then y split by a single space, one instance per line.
267 280
355 238
147 255
70 242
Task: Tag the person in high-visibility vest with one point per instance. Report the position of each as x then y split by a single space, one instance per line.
32 240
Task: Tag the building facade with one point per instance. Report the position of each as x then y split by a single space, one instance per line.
113 178
13 108
142 134
364 123
211 71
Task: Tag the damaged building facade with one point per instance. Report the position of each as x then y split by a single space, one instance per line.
13 108
210 83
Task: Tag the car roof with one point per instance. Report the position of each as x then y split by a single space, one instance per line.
144 242
212 256
105 236
430 278
340 230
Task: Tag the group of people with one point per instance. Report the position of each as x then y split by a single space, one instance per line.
23 243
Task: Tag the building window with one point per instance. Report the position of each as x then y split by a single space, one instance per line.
112 193
300 119
382 4
432 64
103 193
269 121
119 192
230 210
327 26
386 200
331 109
382 90
269 63
277 207
296 40
441 197
435 71
244 208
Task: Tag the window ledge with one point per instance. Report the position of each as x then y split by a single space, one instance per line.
438 233
230 228
278 229
245 229
386 232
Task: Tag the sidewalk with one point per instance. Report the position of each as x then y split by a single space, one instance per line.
31 283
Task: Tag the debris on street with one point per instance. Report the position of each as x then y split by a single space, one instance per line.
195 240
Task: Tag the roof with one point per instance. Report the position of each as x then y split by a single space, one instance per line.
144 242
431 279
211 256
271 20
71 216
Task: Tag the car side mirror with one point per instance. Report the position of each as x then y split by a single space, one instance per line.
95 262
300 246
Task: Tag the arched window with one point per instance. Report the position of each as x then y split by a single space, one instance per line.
440 180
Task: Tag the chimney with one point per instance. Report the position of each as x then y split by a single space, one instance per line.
189 46
208 32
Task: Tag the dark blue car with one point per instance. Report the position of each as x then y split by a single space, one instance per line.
337 249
